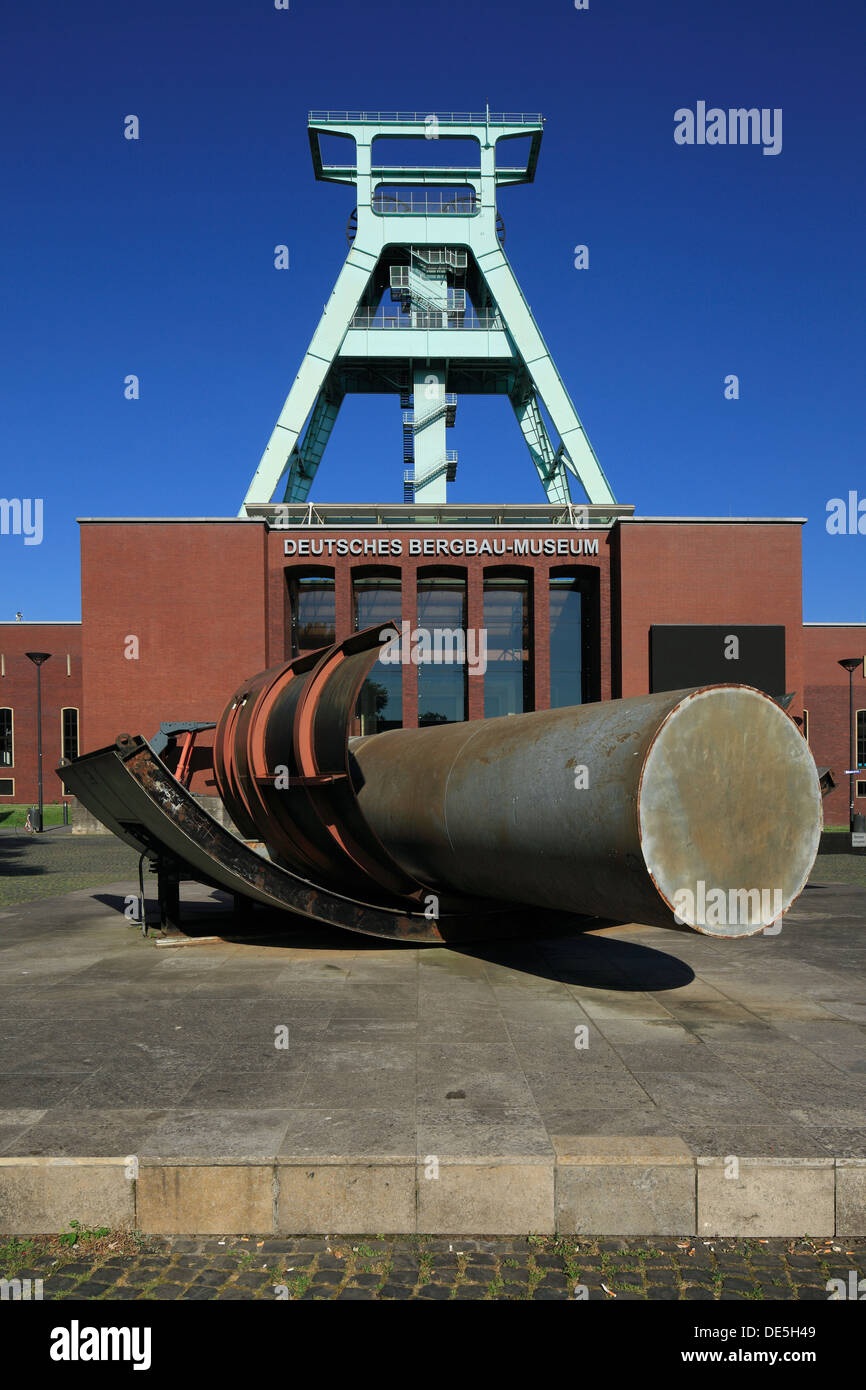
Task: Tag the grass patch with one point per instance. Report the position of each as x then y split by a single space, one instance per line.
68 1246
85 1235
13 816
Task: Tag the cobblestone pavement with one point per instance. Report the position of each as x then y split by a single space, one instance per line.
364 1267
56 862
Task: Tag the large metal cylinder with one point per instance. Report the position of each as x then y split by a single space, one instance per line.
693 808
696 808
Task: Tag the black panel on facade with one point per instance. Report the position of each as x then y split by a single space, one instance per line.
683 656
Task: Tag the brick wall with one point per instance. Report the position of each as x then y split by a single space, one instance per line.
194 596
61 688
707 572
828 705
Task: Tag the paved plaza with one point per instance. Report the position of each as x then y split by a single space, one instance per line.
577 1084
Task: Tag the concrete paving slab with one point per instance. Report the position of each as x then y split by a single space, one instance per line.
777 1136
626 1182
107 1131
485 1196
455 1129
329 1133
216 1133
397 1053
42 1195
766 1196
851 1195
179 1199
349 1196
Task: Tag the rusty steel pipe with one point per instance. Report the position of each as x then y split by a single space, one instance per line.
697 808
693 808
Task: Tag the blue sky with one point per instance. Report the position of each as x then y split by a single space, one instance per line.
155 257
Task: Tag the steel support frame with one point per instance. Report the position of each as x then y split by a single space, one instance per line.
518 347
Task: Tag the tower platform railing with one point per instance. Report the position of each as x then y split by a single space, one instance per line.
422 117
482 319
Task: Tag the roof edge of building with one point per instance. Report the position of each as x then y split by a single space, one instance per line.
721 520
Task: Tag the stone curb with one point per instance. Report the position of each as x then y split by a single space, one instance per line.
644 1186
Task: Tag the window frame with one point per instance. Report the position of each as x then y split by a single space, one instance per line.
587 579
11 710
499 577
65 709
453 576
295 574
360 575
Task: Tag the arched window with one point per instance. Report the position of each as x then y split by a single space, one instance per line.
376 597
507 623
574 634
69 734
444 645
566 641
313 610
7 739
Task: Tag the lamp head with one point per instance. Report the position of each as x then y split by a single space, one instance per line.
38 657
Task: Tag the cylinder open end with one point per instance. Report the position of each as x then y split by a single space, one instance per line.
729 811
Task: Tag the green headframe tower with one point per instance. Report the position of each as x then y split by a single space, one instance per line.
427 307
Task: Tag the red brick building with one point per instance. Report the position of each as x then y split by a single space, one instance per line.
61 707
551 606
826 703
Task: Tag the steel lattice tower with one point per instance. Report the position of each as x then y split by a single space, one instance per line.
427 306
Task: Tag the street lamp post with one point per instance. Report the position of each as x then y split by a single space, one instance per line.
38 659
850 664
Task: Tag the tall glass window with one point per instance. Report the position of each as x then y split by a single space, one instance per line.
7 748
442 675
861 738
69 733
566 643
508 678
313 613
380 703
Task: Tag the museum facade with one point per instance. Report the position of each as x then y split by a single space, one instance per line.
498 610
